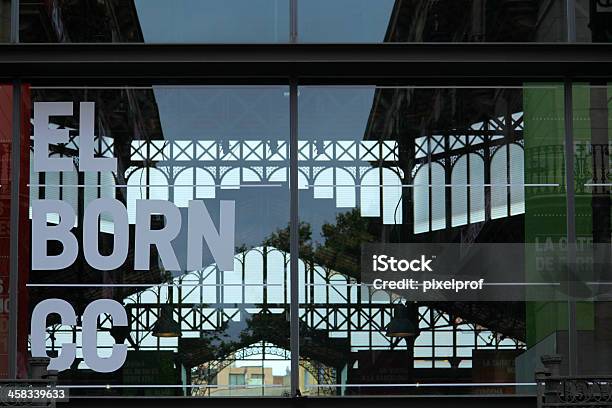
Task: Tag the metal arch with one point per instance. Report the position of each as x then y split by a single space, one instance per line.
245 352
206 372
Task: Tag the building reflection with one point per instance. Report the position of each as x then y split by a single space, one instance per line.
234 328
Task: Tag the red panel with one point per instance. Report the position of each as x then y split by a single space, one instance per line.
6 130
24 233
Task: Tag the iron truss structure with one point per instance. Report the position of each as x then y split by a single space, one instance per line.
223 314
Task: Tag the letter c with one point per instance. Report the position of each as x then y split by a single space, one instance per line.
90 331
38 331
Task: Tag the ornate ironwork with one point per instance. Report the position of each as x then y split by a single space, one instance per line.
555 390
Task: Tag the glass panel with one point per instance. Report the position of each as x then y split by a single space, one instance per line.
594 21
5 20
366 21
592 143
172 219
470 181
236 379
155 21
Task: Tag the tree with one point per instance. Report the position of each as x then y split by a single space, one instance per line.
341 250
281 240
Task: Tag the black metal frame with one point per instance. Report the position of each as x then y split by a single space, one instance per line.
400 64
381 64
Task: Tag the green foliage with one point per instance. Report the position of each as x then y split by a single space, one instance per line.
341 250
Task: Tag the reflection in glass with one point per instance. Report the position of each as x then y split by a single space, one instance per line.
364 21
425 165
594 21
593 179
267 21
205 332
155 21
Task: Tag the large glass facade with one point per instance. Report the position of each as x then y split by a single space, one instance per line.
284 235
397 167
158 219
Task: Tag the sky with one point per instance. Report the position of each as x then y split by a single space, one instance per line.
262 21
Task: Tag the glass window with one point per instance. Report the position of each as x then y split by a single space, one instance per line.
369 21
155 21
256 379
592 107
167 198
469 181
236 379
267 21
593 21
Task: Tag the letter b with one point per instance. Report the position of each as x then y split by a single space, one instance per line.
42 233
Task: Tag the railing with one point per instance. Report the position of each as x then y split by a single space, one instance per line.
40 379
555 390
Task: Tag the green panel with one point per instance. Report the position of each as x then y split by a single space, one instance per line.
545 207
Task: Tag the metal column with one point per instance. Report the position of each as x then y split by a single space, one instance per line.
571 226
